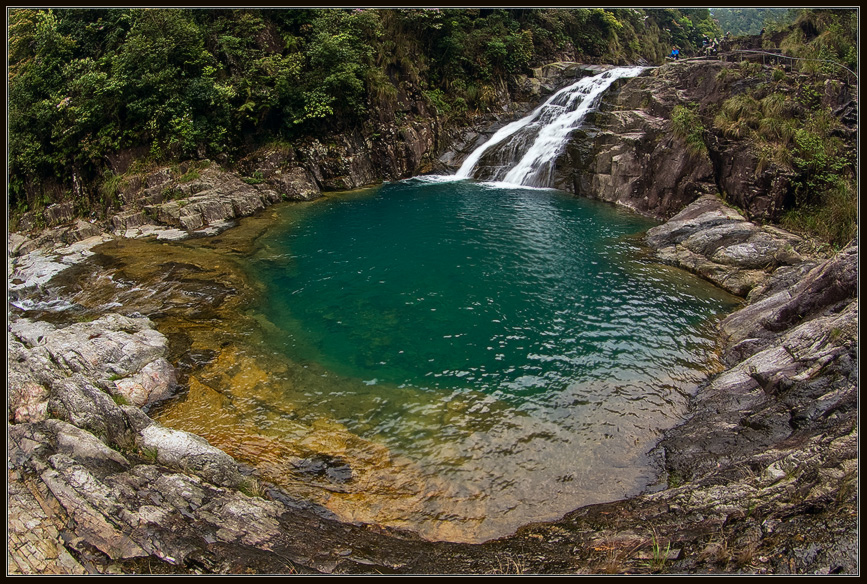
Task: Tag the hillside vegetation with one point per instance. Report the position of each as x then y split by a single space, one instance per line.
174 84
750 21
803 121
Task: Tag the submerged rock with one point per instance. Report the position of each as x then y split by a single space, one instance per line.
333 468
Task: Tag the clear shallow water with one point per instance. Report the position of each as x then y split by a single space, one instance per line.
506 345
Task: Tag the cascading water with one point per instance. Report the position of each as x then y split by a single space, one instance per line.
537 140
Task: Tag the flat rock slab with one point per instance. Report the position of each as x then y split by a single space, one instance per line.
716 242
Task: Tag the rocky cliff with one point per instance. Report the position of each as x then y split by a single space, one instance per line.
627 153
630 152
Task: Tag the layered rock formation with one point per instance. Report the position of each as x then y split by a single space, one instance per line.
628 153
715 241
790 351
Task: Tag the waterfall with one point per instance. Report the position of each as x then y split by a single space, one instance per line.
524 151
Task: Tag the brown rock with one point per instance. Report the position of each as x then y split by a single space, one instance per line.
295 184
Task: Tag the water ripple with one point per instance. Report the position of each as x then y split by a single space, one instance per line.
503 339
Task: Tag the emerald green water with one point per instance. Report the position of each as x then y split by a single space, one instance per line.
510 342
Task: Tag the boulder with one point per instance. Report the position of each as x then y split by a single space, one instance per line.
83 446
78 401
294 184
154 382
824 288
181 451
59 213
715 241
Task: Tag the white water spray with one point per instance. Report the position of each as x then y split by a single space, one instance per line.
536 140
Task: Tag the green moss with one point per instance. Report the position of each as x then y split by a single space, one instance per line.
675 480
171 193
110 189
119 399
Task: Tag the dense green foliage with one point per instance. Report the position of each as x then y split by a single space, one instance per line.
687 27
750 21
826 40
790 120
85 84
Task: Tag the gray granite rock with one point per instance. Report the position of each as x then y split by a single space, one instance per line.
711 239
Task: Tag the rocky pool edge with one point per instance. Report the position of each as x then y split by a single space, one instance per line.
762 478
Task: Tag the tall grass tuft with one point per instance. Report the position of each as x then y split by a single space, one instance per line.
687 125
833 218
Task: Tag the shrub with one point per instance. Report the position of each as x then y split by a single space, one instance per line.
687 125
833 218
256 179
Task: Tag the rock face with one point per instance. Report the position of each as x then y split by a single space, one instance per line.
67 370
212 196
792 375
627 154
763 193
715 241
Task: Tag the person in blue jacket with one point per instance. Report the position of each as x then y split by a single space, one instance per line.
675 53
